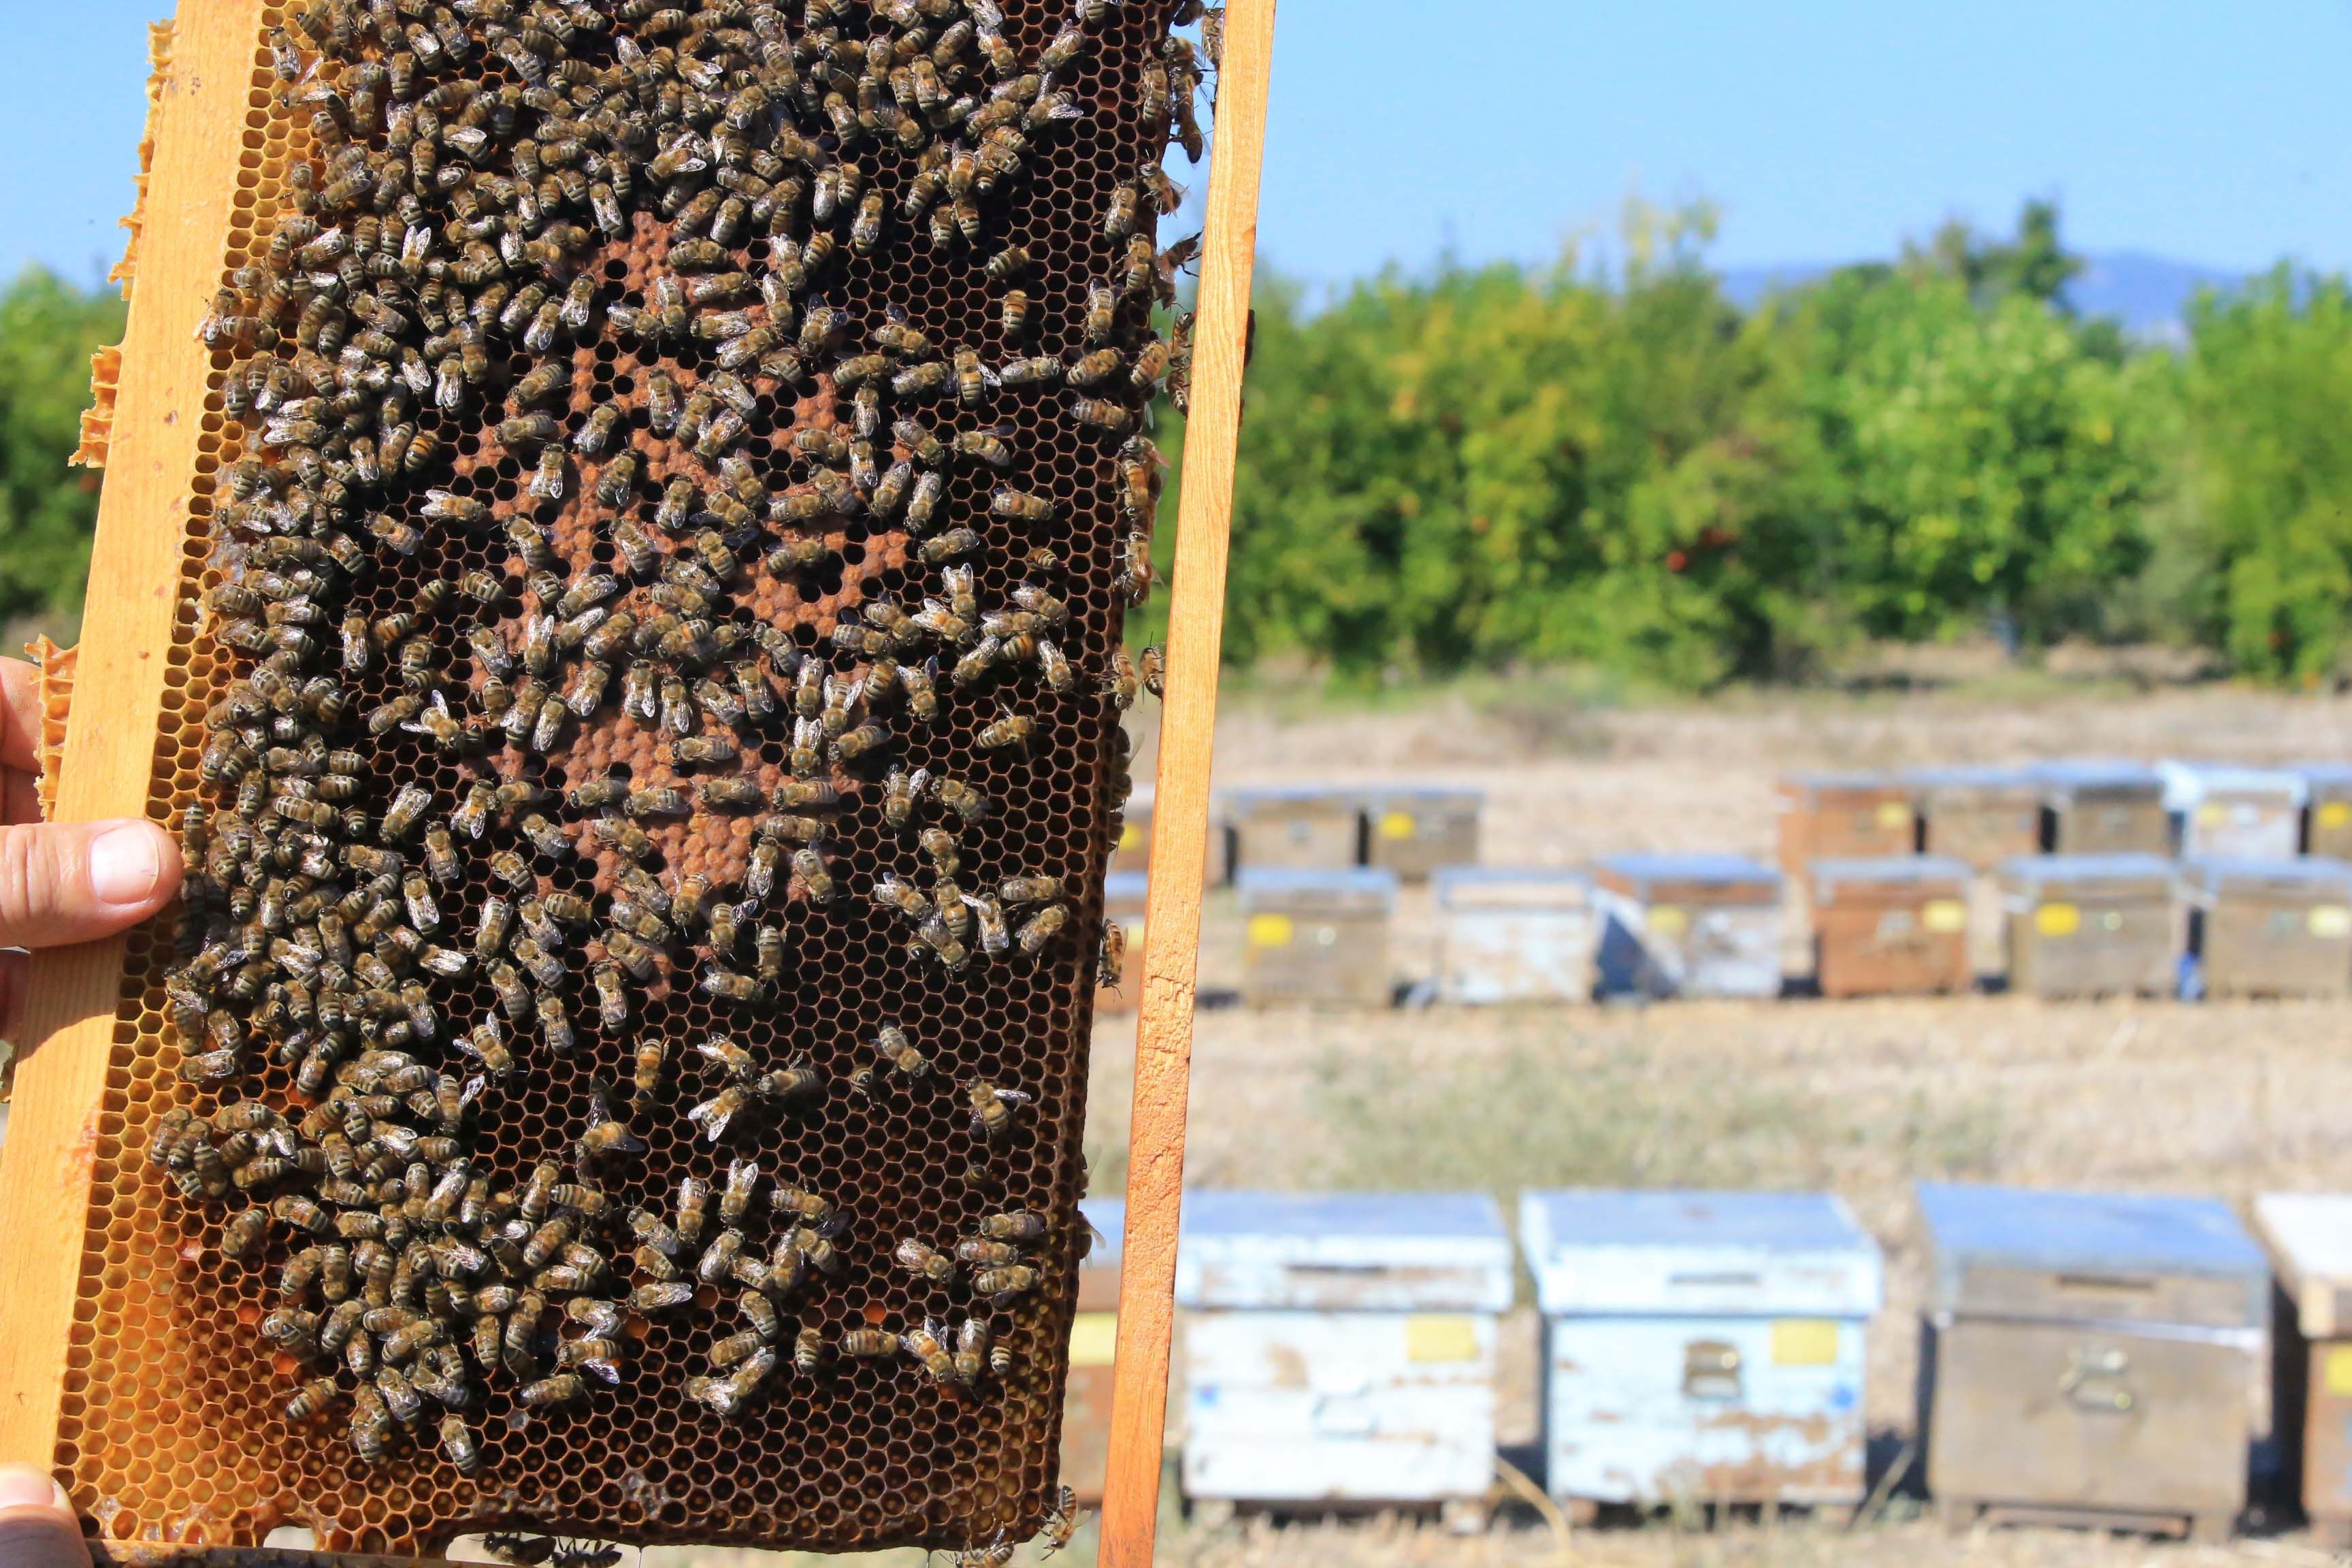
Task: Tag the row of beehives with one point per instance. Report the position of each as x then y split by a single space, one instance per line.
1712 925
2084 1358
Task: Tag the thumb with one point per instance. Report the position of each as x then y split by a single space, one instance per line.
76 881
37 1529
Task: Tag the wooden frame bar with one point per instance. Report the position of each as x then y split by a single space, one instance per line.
198 128
1163 1047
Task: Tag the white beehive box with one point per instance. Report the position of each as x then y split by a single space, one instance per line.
1706 1347
1511 934
2233 813
1687 925
1339 1349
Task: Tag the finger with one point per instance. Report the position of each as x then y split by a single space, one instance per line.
69 882
37 1528
20 715
13 968
20 796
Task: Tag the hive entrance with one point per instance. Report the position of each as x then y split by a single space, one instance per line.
382 347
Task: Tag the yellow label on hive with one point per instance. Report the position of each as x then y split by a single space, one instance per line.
1399 824
1804 1341
1271 931
1893 814
2213 814
2057 920
1130 835
1094 1339
2336 1369
1945 915
1668 921
2330 920
2335 814
1428 1337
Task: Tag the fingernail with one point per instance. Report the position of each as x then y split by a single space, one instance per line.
23 1487
124 865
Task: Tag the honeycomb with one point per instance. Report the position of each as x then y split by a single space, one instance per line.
190 1336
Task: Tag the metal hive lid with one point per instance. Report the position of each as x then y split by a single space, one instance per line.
2188 785
1344 1251
1362 887
2028 1228
1519 887
1840 779
2217 873
1253 797
1678 1253
1970 776
1890 868
1645 869
2068 776
2034 870
1126 887
1406 794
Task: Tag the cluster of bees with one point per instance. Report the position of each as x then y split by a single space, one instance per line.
473 165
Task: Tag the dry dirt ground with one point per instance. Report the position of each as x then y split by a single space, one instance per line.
1862 1097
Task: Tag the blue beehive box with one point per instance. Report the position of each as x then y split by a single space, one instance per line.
1339 1348
1702 1346
2091 1355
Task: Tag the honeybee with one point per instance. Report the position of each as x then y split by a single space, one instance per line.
661 1296
990 446
549 1393
1009 731
611 997
866 1344
923 1262
808 1352
1014 1224
1000 1285
925 1346
243 1236
992 1107
1062 1523
604 1133
984 1254
742 1184
646 1077
961 798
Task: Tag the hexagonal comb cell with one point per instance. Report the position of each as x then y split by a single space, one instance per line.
644 719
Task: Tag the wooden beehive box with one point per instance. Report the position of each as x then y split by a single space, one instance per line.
1702 1347
1688 925
2103 807
1133 851
1316 937
2327 810
2091 925
2309 1237
1312 826
1514 934
2269 928
1844 815
1123 901
1895 927
1413 830
1339 1348
1980 816
2234 813
2090 1358
1094 1334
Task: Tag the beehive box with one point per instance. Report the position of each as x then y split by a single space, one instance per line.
2327 810
1319 937
1339 1349
1133 852
2269 928
2309 1239
2091 925
2091 1358
1308 827
1896 927
1123 903
1687 925
1844 815
2233 813
1094 1334
669 360
2101 807
1510 935
1702 1347
1413 830
1980 816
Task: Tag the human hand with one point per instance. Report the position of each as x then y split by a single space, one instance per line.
37 1529
65 882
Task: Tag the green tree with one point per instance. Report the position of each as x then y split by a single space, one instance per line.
47 331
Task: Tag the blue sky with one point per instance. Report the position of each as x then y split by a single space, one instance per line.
1824 129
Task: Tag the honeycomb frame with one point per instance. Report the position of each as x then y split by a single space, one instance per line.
168 1424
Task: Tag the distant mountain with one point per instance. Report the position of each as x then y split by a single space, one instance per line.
2147 293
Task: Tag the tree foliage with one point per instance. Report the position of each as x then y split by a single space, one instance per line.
47 331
